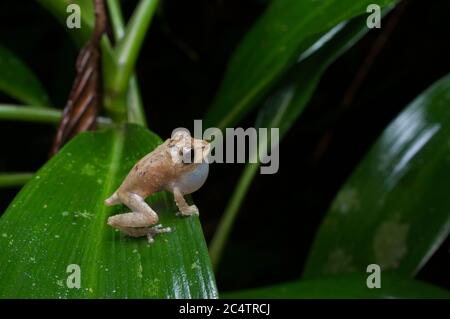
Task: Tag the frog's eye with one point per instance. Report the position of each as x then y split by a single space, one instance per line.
181 134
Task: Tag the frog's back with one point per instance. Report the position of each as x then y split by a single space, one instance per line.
147 176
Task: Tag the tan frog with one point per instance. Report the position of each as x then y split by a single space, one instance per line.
179 165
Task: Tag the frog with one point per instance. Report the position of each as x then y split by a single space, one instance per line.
179 166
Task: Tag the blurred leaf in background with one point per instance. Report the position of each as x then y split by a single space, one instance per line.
345 286
282 108
394 210
59 9
287 29
19 82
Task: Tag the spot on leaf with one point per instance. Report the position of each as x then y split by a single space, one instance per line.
390 244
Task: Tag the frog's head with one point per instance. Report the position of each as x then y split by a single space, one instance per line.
188 150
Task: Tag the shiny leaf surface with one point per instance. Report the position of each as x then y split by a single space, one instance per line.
285 31
394 210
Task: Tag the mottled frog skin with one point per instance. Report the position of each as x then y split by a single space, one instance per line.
179 165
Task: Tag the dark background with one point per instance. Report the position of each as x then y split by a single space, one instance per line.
179 70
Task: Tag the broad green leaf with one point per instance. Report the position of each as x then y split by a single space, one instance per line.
281 110
345 286
394 210
19 82
59 9
287 29
59 219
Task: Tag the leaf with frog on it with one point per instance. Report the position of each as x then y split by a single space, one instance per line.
59 219
394 210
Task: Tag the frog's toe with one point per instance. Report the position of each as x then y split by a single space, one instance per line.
155 230
161 229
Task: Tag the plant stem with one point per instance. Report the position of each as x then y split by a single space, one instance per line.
14 179
27 114
128 47
116 18
229 216
222 233
136 112
37 115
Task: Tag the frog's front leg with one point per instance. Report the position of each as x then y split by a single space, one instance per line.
183 206
137 223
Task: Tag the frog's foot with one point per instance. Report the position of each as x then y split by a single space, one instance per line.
183 206
155 230
188 211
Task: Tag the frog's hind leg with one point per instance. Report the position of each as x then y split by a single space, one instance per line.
137 223
142 214
150 232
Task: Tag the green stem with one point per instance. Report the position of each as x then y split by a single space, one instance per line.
136 112
27 114
14 179
222 233
116 18
229 216
37 115
128 47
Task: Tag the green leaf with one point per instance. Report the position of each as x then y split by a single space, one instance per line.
394 210
19 82
345 286
292 95
286 29
282 109
59 10
59 219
